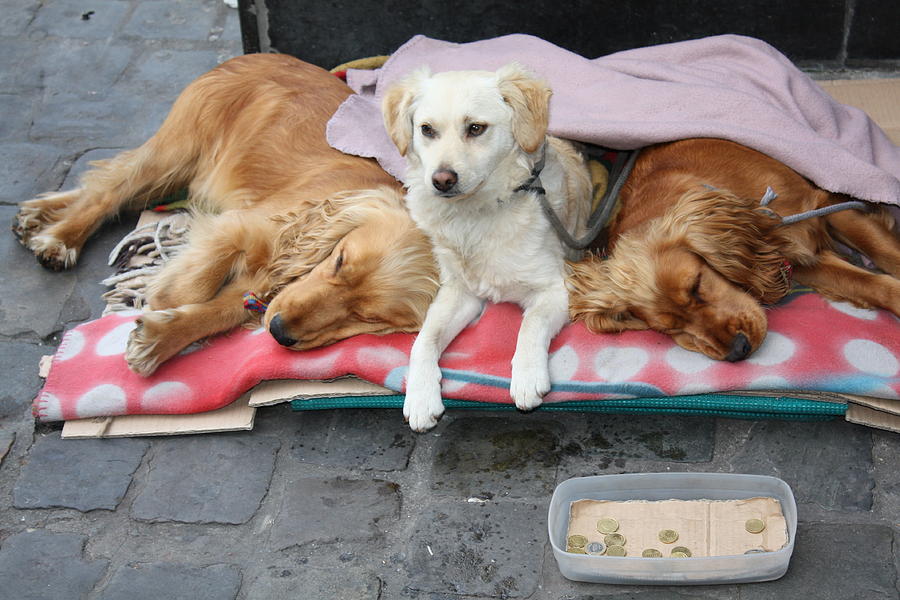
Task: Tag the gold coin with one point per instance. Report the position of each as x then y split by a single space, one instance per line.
755 551
614 539
682 550
615 551
575 550
651 553
607 525
668 536
679 555
576 541
755 525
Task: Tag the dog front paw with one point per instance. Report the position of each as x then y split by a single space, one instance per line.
423 405
143 353
422 411
529 384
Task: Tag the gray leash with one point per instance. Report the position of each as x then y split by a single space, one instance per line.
618 175
816 212
600 217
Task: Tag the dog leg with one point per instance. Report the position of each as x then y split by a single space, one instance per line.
835 278
453 308
55 226
544 316
161 334
219 248
871 235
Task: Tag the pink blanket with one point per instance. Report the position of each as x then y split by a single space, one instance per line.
730 87
812 345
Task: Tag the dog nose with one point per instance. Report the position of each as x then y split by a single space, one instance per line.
276 328
444 179
740 348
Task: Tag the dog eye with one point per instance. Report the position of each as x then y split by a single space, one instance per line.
427 130
339 262
476 129
695 290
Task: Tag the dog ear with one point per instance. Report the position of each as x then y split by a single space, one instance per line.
742 244
306 238
530 102
397 106
592 299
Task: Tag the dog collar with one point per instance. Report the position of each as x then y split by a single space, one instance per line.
254 303
533 183
787 271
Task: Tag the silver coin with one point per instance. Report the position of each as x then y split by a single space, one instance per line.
596 548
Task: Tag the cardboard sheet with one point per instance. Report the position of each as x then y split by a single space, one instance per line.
285 390
705 527
879 98
870 417
237 416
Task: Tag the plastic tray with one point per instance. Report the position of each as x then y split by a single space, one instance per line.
665 486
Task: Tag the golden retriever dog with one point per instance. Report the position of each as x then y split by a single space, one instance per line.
320 236
693 254
478 155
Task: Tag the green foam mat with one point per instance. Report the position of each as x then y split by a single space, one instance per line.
719 405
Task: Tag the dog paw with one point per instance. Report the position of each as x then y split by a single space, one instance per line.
52 253
422 408
528 386
142 352
28 221
37 214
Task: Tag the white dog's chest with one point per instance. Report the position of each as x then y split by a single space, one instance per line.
501 260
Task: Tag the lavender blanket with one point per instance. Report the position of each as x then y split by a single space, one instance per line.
730 87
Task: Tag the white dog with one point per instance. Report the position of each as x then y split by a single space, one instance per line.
478 155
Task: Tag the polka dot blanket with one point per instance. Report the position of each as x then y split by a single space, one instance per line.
812 344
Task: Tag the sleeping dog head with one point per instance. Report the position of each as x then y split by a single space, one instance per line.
699 273
356 264
458 127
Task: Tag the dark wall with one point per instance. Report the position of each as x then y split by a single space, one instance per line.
834 33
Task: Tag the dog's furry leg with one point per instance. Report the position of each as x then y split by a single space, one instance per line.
55 226
451 311
544 316
161 334
871 234
835 278
222 247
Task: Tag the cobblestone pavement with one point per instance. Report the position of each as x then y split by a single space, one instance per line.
345 504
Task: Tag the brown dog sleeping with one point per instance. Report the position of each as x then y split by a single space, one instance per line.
693 254
321 236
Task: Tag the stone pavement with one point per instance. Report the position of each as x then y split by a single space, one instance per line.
336 504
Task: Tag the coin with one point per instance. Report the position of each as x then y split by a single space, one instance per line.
682 550
596 548
755 525
615 551
607 525
614 539
679 555
668 536
576 541
575 550
755 551
651 553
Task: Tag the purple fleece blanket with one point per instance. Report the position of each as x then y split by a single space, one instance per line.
730 87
